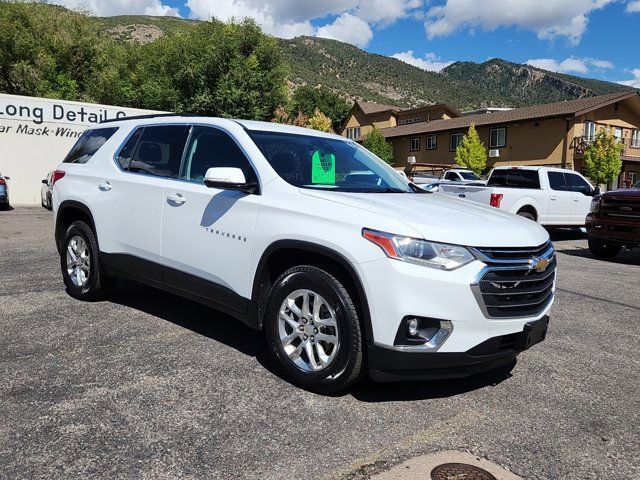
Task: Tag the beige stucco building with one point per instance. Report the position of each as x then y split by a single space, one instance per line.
552 134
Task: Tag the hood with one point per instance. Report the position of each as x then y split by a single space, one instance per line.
630 193
444 219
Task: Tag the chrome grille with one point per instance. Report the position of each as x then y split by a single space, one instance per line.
511 286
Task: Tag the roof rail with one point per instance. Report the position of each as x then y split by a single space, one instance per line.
151 115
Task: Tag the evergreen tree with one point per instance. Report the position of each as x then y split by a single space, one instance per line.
375 142
471 152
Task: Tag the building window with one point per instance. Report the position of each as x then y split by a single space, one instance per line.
589 133
414 144
353 133
635 139
455 140
497 137
432 143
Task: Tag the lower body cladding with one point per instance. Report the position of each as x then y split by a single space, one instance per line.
459 338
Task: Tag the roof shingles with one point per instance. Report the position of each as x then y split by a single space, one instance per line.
558 109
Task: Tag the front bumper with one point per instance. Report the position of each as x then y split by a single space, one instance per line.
387 364
624 232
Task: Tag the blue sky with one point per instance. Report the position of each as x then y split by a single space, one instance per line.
594 38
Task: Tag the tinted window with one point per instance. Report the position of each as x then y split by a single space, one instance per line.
515 178
310 161
576 183
209 148
469 176
88 144
451 176
556 181
155 151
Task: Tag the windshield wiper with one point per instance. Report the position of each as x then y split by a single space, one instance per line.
387 190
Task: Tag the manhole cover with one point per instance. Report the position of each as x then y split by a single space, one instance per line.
460 471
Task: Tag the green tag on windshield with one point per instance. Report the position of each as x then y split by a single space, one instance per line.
323 168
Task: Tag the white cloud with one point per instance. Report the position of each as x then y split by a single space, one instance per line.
290 18
347 28
549 19
104 8
635 82
431 62
571 64
633 6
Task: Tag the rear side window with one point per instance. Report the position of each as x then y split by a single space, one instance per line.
88 144
154 151
556 181
514 178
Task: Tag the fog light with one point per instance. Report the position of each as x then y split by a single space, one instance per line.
412 327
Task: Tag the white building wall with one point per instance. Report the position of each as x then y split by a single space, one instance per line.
37 133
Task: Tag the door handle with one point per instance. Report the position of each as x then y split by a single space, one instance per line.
105 186
553 199
176 199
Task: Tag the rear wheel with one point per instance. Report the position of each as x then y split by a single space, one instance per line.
313 330
602 248
81 270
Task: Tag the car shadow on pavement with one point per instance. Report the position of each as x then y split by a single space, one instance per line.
222 328
370 391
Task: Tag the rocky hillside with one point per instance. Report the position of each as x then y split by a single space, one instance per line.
377 78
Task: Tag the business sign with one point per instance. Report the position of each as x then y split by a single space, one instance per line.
37 133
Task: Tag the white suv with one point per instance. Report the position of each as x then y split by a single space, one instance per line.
308 236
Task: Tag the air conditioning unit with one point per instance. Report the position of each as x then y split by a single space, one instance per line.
494 153
411 159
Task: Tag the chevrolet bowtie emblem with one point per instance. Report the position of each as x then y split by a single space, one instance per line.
540 264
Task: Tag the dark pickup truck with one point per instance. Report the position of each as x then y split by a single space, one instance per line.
614 222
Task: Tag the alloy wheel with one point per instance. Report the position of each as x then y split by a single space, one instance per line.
308 330
78 261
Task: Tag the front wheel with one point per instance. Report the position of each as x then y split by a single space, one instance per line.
79 261
602 248
313 330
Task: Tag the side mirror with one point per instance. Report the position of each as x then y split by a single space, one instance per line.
229 178
595 191
7 178
44 180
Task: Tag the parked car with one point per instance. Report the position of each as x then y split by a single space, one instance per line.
347 273
4 192
431 173
553 197
45 191
614 222
461 175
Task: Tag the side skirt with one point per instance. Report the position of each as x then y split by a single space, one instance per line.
182 284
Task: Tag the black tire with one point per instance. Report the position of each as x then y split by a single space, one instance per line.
97 283
527 215
347 367
602 248
49 203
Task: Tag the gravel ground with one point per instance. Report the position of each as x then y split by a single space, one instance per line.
149 385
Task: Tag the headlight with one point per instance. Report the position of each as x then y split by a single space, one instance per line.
595 205
421 252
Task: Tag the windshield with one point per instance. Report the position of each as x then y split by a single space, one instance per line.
307 161
469 176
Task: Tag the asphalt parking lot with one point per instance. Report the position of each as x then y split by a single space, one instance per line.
148 385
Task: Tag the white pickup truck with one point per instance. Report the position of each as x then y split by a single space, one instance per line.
550 196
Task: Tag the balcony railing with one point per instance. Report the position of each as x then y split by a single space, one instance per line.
580 144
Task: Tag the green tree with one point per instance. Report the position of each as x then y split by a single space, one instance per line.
375 142
46 50
471 152
319 121
602 158
223 69
307 99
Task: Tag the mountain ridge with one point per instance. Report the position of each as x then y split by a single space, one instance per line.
360 75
